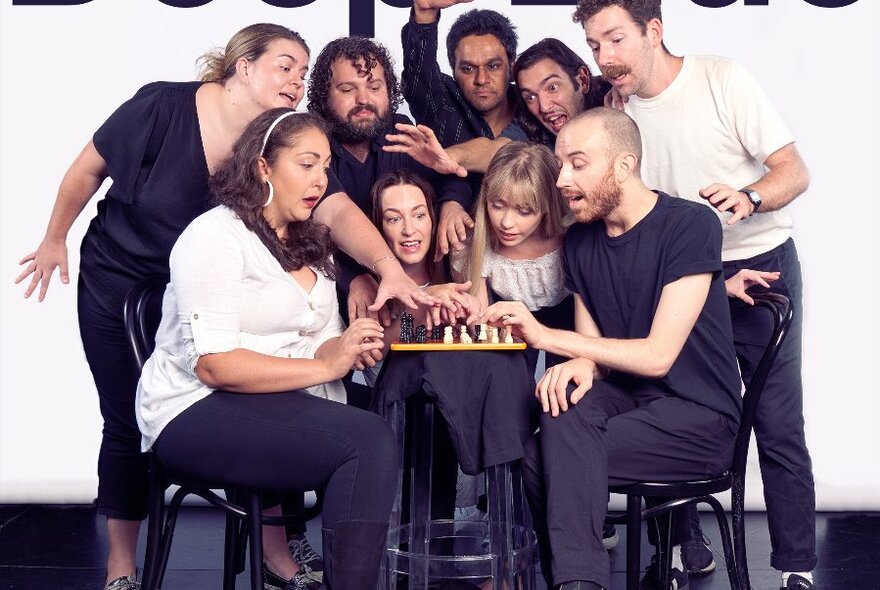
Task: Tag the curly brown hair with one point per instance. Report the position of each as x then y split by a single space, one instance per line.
237 185
640 11
354 49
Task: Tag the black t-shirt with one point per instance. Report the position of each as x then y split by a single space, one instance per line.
620 280
152 145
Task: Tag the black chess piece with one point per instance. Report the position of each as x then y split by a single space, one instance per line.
437 333
406 328
421 334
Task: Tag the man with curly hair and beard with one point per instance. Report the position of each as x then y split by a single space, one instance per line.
354 88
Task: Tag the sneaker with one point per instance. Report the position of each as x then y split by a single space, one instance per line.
696 556
303 580
305 557
128 582
678 580
610 538
796 582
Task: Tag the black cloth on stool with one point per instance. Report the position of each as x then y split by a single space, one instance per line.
486 397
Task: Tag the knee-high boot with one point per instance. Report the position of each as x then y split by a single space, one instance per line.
353 552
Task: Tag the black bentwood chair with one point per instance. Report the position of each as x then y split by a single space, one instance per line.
694 492
141 312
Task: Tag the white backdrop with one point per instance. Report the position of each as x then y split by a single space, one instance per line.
64 69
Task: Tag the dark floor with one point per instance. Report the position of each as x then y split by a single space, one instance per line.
49 547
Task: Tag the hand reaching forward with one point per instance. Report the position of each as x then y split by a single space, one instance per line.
41 264
516 315
738 284
420 143
452 229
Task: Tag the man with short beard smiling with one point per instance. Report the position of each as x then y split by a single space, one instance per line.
354 88
652 391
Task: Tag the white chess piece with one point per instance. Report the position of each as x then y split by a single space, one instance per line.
493 337
483 336
508 336
447 335
464 337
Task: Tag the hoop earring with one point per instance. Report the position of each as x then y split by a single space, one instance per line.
271 193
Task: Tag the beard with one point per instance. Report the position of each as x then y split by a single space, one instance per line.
604 199
347 131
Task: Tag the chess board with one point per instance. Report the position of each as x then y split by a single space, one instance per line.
441 346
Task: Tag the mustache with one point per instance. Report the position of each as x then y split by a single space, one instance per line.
615 71
363 107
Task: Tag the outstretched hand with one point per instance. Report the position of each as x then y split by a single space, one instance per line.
516 315
396 284
41 264
738 284
421 144
452 229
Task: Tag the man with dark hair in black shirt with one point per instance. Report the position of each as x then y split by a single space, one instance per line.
354 88
555 85
472 107
652 390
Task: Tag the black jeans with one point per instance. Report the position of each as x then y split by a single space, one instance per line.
288 442
611 437
786 468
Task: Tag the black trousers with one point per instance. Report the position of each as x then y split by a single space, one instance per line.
786 468
122 468
612 437
288 442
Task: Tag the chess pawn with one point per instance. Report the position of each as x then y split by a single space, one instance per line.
447 335
508 336
493 337
481 335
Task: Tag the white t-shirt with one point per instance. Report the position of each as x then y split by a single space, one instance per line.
714 124
227 291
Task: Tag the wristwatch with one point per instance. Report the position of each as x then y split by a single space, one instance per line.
753 197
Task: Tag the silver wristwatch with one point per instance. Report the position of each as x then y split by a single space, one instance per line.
753 197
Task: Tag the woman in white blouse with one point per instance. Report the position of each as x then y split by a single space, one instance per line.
244 382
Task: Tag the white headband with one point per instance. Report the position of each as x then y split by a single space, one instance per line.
272 126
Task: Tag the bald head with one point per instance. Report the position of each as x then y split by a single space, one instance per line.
619 130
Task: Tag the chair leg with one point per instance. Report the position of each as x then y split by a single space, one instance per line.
168 536
664 547
422 436
734 568
232 552
255 515
154 532
737 516
633 541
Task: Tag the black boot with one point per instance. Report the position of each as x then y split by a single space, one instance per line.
353 551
